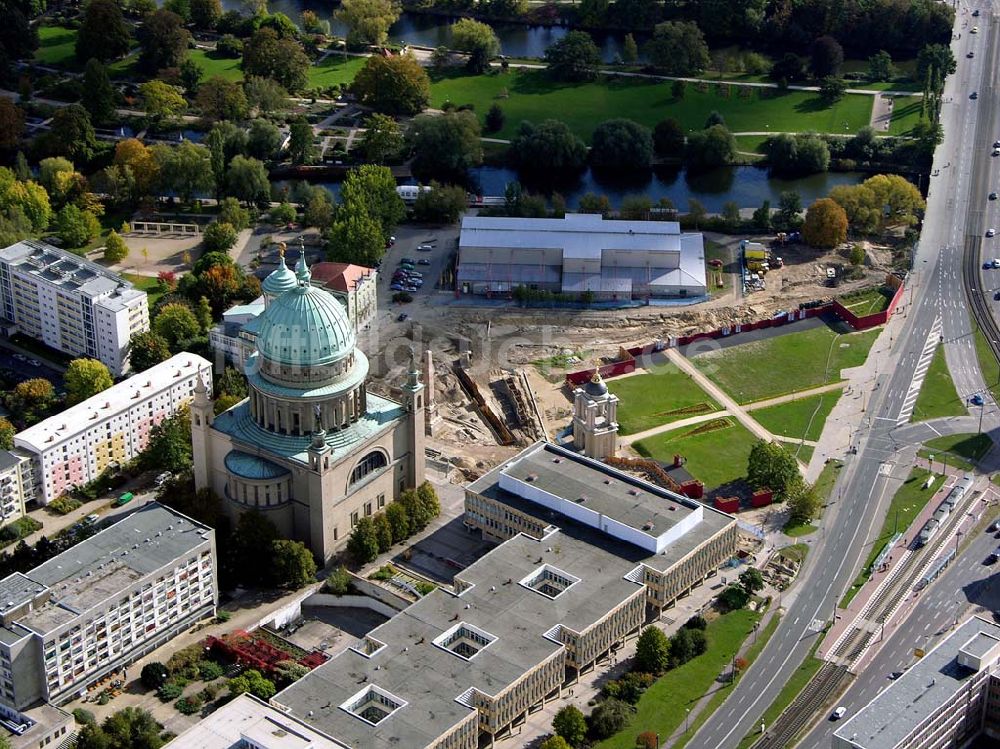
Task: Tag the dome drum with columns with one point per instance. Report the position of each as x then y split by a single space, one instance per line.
293 448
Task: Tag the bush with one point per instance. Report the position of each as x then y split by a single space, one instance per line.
339 582
696 622
171 690
423 588
189 705
64 505
19 528
209 670
229 46
210 692
223 616
383 573
154 675
609 717
84 717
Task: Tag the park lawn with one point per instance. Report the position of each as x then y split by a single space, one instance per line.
867 301
649 400
532 95
938 396
906 504
751 144
149 284
960 451
905 115
662 708
785 363
798 451
334 70
801 419
57 47
720 694
716 452
213 64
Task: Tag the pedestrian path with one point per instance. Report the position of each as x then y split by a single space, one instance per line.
923 364
798 395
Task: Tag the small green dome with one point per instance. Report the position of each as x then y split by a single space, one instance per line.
280 280
304 327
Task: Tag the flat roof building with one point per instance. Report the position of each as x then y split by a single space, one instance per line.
75 446
568 582
581 254
70 303
946 699
101 604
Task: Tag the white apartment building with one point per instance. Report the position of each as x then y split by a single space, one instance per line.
74 447
70 303
17 484
101 605
227 338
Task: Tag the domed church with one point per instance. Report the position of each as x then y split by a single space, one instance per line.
310 448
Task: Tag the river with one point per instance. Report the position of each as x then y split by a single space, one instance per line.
747 186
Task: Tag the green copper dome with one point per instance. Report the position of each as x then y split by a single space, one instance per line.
306 326
280 280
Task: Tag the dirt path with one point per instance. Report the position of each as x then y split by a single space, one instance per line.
795 396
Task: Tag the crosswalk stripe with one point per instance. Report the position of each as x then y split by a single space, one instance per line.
920 372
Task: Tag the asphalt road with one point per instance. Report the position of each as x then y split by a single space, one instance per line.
870 477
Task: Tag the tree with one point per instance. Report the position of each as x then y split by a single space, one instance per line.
265 95
132 728
71 133
115 249
270 56
383 532
224 142
204 314
154 675
555 742
319 209
11 125
418 512
762 217
575 57
429 501
292 564
218 237
826 57
97 96
219 99
771 467
803 502
751 580
548 149
232 382
367 21
176 323
205 14
263 140
7 432
789 68
395 85
163 41
570 725
147 349
831 90
445 146
477 39
635 207
103 33
373 189
169 442
30 401
789 208
355 237
495 119
180 7
141 163
247 180
797 154
678 48
283 214
75 227
338 582
652 651
668 138
301 143
935 62
382 140
363 542
185 168
232 213
609 717
593 203
161 100
441 204
710 148
252 682
399 522
880 67
621 144
825 224
630 50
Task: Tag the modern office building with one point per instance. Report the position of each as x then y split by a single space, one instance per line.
70 303
310 448
946 699
75 446
17 484
586 556
250 723
580 254
100 605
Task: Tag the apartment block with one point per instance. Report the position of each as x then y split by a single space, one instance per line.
100 605
70 303
74 447
17 484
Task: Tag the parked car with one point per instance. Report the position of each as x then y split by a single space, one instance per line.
996 295
408 266
396 287
895 675
991 232
424 248
839 713
91 519
34 362
971 54
996 144
974 95
402 317
996 262
406 260
423 261
993 196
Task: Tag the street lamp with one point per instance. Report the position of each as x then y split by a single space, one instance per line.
687 719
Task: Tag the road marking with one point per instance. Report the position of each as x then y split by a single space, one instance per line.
920 371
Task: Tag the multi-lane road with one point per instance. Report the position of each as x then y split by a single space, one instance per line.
955 220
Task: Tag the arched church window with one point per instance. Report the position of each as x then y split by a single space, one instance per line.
372 462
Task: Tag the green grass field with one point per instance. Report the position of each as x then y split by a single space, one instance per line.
334 70
57 47
988 363
649 400
799 451
716 451
906 504
802 419
960 451
938 396
824 486
663 706
149 284
866 301
532 95
213 65
786 363
905 114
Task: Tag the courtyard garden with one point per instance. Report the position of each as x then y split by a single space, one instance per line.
649 400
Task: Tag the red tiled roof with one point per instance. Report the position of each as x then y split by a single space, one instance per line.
339 276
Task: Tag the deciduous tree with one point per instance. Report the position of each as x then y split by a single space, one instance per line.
176 323
218 237
396 85
271 56
621 144
292 564
652 651
382 140
205 14
442 204
547 149
161 100
367 21
570 724
445 146
678 48
85 378
880 66
98 96
363 542
115 249
668 138
75 227
771 466
826 57
825 224
71 134
247 180
710 148
147 349
219 99
477 39
575 57
301 142
163 41
355 237
103 32
263 140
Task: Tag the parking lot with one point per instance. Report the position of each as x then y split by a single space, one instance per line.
25 367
